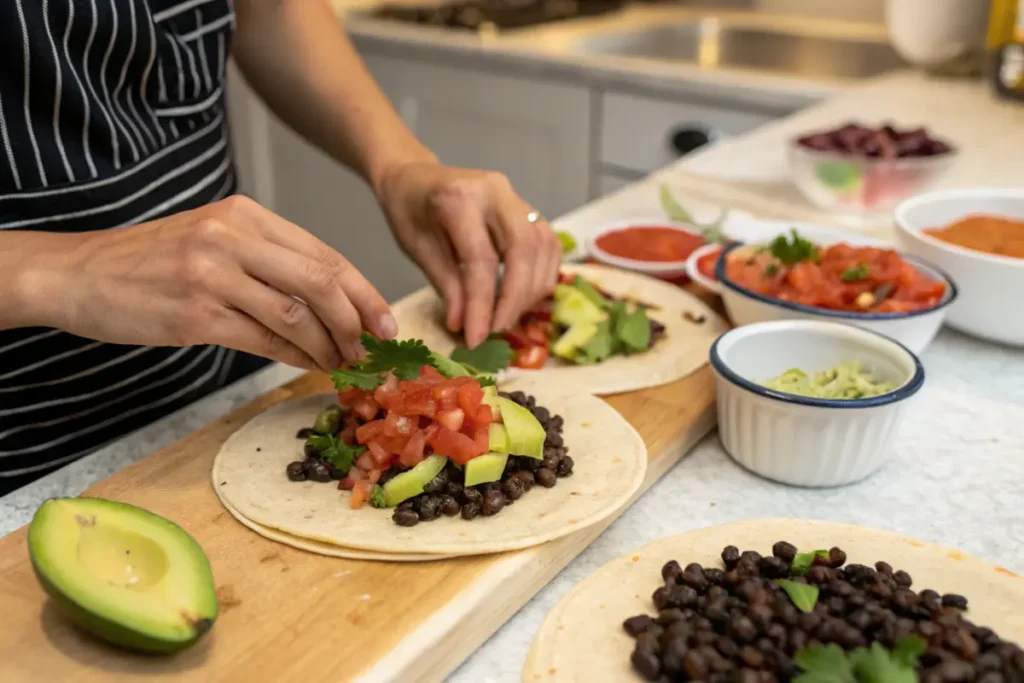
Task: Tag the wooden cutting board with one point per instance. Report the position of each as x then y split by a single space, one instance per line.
288 615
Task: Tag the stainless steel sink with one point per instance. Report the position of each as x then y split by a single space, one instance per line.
712 43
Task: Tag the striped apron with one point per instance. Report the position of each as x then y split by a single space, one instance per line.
112 112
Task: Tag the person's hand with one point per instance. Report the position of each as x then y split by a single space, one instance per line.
458 225
230 273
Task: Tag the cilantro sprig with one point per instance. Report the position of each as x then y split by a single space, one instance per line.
803 561
830 664
804 596
492 355
793 249
403 359
335 451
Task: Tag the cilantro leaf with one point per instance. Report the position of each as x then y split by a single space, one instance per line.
908 650
632 328
490 356
486 381
823 664
857 272
803 561
335 451
804 596
600 346
356 379
876 665
794 249
401 358
378 498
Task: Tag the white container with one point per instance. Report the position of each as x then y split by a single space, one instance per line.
914 330
990 304
930 33
808 441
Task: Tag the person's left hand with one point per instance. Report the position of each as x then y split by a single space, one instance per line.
458 225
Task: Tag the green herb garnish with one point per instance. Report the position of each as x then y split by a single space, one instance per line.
492 355
588 290
355 379
600 346
771 270
793 249
803 595
829 664
403 359
378 498
857 272
803 561
335 451
632 328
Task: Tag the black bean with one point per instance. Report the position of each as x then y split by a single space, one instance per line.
494 501
454 489
715 576
742 629
820 575
751 656
636 625
646 664
471 495
774 567
565 464
883 568
304 433
526 479
310 451
318 471
954 600
438 484
730 556
408 504
449 506
671 572
556 422
693 576
902 578
405 517
546 478
512 488
429 507
695 666
470 510
751 556
784 551
836 558
296 471
550 460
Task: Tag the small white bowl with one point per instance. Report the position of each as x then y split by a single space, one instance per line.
808 441
693 268
915 330
659 269
990 285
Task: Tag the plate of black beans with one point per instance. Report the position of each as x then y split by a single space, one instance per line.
787 600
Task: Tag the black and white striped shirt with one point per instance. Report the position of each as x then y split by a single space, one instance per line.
112 112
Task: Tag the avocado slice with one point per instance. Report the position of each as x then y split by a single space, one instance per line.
573 339
525 433
499 438
448 367
411 483
485 468
122 573
491 398
572 306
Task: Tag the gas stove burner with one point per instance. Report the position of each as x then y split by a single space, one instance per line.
502 14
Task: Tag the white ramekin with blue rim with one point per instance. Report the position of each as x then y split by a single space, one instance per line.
801 440
915 329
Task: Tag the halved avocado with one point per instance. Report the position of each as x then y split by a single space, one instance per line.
485 468
410 483
122 573
525 433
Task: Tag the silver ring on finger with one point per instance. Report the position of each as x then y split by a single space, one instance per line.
534 217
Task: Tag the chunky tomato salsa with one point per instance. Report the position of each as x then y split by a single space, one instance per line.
840 277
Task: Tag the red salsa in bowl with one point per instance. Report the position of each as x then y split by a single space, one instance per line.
651 248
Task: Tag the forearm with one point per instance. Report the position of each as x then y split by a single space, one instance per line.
29 265
296 56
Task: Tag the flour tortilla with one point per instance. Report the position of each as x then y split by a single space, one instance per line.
610 457
582 638
683 350
328 549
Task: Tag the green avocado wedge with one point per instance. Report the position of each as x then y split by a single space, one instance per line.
525 433
411 482
485 468
122 573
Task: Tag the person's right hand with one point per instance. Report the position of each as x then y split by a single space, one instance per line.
230 273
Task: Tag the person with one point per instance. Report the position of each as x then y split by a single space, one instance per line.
134 280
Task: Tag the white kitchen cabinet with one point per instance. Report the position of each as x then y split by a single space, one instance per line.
535 132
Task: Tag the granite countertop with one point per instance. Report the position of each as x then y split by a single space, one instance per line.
956 475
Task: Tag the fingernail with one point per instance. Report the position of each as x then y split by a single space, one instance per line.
388 327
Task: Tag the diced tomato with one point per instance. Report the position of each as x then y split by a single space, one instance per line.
431 375
398 425
516 338
360 493
446 395
412 454
366 461
369 431
431 431
355 474
537 333
530 358
348 432
419 402
484 416
451 419
457 446
350 397
470 395
482 438
366 408
566 278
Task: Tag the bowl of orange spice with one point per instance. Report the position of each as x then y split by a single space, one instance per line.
977 236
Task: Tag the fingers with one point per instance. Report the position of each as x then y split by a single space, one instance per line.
478 263
324 276
237 330
436 258
284 315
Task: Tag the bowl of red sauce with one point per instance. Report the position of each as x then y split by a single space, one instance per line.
653 247
870 287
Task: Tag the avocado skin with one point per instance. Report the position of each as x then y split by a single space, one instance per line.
108 629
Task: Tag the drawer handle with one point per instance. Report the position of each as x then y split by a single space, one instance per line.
686 139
